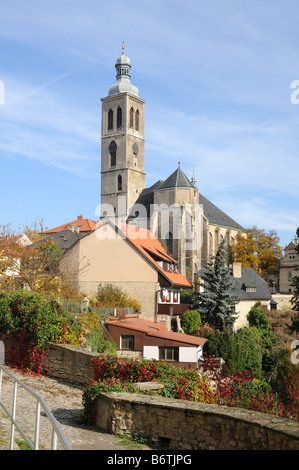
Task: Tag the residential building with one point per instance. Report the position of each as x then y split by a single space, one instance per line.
131 259
289 267
142 338
249 287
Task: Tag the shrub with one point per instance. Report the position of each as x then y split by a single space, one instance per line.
34 321
111 296
190 322
118 374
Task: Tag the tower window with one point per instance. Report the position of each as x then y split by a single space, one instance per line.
137 120
110 119
119 117
119 183
112 150
132 118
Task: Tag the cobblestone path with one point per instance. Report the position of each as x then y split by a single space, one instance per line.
65 402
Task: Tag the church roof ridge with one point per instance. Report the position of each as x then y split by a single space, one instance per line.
177 179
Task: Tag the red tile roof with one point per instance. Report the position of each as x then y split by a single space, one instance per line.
152 329
85 225
152 249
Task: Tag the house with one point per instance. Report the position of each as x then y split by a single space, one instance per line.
288 267
131 259
250 288
79 225
146 339
10 254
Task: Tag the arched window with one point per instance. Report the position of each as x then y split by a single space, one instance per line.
132 117
110 119
119 121
137 120
169 242
112 151
119 183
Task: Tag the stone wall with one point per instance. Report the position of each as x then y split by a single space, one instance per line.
193 426
70 363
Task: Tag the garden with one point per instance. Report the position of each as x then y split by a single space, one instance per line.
258 373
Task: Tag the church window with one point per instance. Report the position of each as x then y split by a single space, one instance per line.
132 117
119 117
137 120
110 119
169 242
112 150
119 183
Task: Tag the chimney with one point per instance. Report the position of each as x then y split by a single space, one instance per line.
80 217
162 325
237 270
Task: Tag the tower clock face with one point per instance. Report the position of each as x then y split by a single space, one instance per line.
135 149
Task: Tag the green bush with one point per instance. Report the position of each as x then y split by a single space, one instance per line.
190 322
34 321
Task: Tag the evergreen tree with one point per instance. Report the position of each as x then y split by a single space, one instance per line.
216 305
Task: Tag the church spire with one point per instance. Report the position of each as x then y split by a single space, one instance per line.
123 83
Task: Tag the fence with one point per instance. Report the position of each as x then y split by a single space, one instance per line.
79 306
56 434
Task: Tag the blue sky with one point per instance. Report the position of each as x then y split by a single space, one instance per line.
216 77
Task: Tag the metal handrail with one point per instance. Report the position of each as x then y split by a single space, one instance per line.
57 433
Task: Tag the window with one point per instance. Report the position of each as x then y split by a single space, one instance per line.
132 117
119 121
167 353
169 242
137 120
110 119
128 342
119 183
112 150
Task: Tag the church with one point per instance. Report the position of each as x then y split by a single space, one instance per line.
187 224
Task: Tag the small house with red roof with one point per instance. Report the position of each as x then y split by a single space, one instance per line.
132 259
146 339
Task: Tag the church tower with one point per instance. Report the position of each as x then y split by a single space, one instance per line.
122 149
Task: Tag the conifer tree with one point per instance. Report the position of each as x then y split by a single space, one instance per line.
216 305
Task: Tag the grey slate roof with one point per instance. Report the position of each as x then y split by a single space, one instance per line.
249 279
216 216
178 179
64 239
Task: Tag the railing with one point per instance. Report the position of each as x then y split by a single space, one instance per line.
57 434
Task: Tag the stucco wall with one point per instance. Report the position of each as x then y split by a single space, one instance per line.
194 426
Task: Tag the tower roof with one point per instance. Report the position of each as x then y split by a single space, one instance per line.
123 83
177 179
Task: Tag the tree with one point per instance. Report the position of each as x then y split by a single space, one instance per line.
216 305
190 322
260 251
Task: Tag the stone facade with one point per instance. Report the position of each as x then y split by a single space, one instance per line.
194 426
288 268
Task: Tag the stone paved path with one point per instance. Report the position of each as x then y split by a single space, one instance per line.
65 402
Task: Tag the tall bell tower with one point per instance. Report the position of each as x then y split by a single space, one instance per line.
122 145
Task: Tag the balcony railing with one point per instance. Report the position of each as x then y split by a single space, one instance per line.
172 309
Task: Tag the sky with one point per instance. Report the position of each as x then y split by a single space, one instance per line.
221 85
